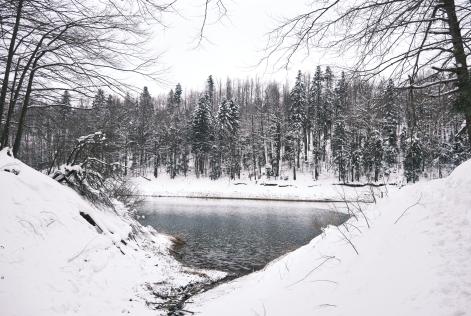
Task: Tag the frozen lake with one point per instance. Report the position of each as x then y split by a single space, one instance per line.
236 236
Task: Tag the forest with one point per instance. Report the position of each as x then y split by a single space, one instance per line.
325 123
401 111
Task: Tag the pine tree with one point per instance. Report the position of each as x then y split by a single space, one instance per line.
177 96
210 91
223 117
340 140
143 132
326 111
99 101
202 133
373 155
98 109
173 132
297 117
315 116
413 160
390 128
234 125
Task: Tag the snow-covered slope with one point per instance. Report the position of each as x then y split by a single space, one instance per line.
54 262
414 260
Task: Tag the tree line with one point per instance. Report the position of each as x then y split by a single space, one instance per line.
325 123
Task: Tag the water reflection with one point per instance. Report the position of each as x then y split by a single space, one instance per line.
236 236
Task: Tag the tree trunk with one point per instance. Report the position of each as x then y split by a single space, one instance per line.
254 161
305 140
11 51
462 72
24 108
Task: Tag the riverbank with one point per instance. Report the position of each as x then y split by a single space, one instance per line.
302 190
61 255
409 254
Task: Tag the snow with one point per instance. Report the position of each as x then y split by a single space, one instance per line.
414 260
53 262
303 189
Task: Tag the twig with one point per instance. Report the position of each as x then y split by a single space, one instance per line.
327 258
328 281
349 241
373 194
416 203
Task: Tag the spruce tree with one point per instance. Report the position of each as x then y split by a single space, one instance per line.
177 96
373 155
390 128
234 123
210 91
297 117
340 140
326 111
144 128
315 116
413 160
201 133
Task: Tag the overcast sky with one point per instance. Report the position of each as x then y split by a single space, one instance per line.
232 48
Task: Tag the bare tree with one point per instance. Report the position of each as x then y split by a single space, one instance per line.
399 37
52 46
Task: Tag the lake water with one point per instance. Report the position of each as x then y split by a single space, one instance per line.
236 236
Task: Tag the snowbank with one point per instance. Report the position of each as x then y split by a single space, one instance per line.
414 260
304 189
55 262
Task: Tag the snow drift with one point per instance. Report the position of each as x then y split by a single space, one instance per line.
414 260
60 255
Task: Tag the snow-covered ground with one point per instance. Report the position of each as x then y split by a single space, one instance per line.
414 260
303 189
54 262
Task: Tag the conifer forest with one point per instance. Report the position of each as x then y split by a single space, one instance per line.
325 122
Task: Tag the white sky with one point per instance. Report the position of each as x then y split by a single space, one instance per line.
232 48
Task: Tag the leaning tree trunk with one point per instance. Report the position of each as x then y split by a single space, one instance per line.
11 51
11 106
24 109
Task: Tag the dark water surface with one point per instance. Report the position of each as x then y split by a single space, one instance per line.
236 236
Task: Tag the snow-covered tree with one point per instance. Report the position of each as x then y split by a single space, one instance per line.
390 128
202 133
297 117
340 138
413 160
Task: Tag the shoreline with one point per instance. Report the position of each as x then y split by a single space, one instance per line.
283 199
303 191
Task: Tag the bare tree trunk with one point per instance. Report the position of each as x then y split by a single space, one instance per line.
306 142
462 72
11 49
13 98
24 109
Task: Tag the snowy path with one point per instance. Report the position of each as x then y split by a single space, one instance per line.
412 263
